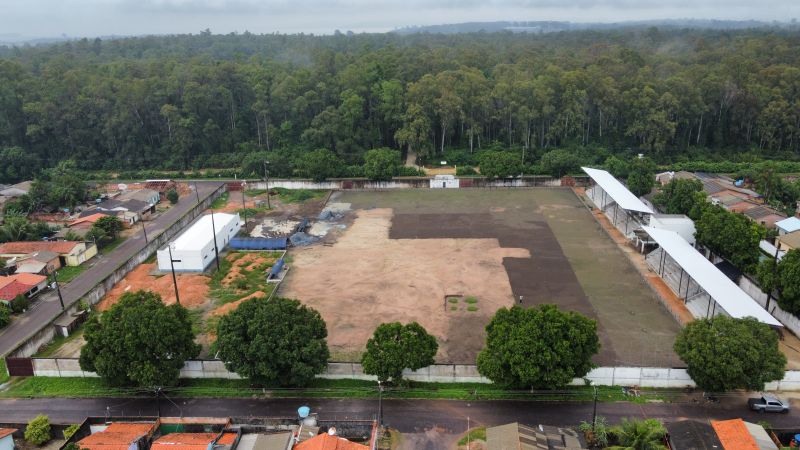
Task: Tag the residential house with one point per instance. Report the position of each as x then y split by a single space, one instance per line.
40 262
149 196
7 438
119 436
789 241
515 436
70 253
27 284
764 215
129 211
185 441
692 434
736 434
328 441
161 186
82 225
787 226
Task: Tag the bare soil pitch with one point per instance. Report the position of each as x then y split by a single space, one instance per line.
406 250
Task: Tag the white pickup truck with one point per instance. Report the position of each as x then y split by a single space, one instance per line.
768 403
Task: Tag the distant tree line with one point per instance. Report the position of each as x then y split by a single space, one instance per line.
198 101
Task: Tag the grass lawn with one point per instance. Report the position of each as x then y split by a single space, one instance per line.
108 248
220 201
319 388
299 195
3 371
68 273
246 284
51 348
474 434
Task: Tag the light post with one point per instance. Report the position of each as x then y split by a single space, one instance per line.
266 180
214 237
58 290
144 230
244 205
594 408
380 403
172 266
196 192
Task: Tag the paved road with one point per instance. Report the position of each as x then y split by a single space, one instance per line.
47 307
408 416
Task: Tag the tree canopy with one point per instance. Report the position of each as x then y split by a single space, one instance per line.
641 176
394 347
274 343
539 347
785 277
560 162
500 164
139 342
681 196
723 353
733 236
381 164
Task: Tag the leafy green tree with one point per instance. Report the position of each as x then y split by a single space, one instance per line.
18 228
58 187
17 165
616 166
381 164
38 430
19 304
172 196
98 236
274 343
320 165
730 235
540 348
500 165
641 176
647 434
681 196
787 281
560 162
5 316
723 353
139 342
110 225
395 347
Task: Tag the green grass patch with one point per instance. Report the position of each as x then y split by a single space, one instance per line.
3 371
51 348
475 434
319 388
251 212
454 308
472 308
196 318
69 273
299 195
108 248
247 283
220 201
255 192
471 300
453 300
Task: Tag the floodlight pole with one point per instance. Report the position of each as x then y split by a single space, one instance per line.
144 230
196 192
174 279
58 290
244 208
266 180
380 403
594 408
214 232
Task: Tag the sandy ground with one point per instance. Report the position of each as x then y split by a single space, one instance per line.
193 288
366 279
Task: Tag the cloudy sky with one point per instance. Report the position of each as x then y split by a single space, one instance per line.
79 18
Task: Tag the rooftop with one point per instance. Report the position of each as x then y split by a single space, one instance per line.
184 441
328 442
735 434
91 218
25 247
7 431
199 234
761 211
791 239
624 198
29 279
9 291
522 437
789 225
117 436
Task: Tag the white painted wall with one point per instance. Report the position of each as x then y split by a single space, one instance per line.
196 260
789 320
444 182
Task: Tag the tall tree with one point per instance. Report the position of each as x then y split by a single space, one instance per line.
394 347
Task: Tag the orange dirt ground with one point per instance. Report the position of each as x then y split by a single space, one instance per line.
193 287
365 279
228 307
234 203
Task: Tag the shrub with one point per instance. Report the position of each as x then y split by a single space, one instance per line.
71 430
38 430
5 316
172 196
20 304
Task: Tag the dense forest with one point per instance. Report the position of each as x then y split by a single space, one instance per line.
191 101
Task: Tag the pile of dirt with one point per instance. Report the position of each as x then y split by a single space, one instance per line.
249 262
193 288
228 307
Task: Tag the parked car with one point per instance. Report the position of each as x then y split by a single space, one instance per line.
768 403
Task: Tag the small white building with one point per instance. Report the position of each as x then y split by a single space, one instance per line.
193 250
789 225
444 182
7 438
678 223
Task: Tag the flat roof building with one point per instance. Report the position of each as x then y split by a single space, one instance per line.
193 250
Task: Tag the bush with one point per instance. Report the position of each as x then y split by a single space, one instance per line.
20 304
172 196
71 430
5 316
465 170
38 430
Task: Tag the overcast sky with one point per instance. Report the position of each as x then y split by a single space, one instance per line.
88 18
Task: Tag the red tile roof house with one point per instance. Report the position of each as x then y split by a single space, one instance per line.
27 284
7 438
70 253
329 442
185 441
119 436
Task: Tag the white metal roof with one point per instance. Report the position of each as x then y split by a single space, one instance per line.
724 291
624 198
789 225
199 234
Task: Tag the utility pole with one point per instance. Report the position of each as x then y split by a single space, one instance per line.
58 290
244 207
380 404
196 192
172 266
214 236
266 179
144 230
594 408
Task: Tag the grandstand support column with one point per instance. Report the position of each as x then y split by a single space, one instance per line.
680 281
615 214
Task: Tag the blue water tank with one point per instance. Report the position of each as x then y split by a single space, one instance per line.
303 412
276 268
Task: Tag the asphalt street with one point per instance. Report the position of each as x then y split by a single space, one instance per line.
47 306
408 416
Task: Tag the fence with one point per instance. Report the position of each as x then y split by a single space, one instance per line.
789 320
47 332
413 183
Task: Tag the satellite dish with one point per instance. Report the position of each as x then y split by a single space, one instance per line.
122 186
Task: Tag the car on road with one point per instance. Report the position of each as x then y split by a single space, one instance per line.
768 403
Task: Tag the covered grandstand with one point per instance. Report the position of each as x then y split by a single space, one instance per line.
705 289
622 208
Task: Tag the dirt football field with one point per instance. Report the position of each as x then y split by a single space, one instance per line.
449 259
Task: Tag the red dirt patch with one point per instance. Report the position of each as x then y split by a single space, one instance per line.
193 288
228 307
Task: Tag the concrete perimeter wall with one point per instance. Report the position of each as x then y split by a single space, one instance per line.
652 377
789 320
47 332
408 183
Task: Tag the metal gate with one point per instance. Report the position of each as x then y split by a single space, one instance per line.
20 367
